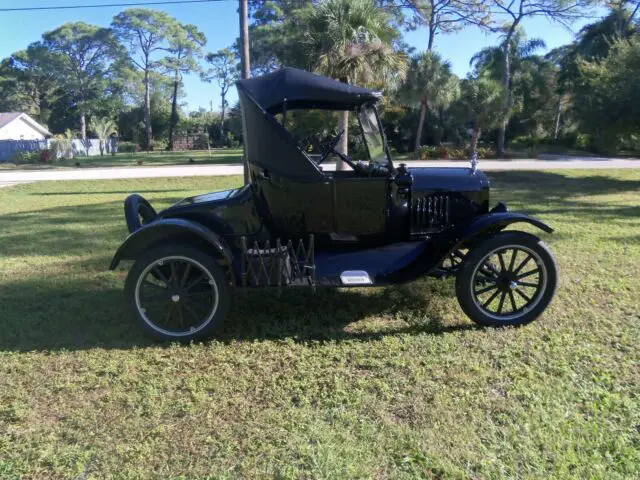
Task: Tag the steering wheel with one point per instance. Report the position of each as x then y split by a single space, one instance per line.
330 147
360 167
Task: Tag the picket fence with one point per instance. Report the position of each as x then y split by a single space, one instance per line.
81 148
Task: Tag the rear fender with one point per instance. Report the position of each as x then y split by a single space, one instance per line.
170 230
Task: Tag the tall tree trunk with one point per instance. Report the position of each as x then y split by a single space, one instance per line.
223 96
83 126
507 85
343 146
147 111
101 142
557 127
432 29
246 65
440 129
174 112
423 115
475 137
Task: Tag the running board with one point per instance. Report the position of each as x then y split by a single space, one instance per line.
355 277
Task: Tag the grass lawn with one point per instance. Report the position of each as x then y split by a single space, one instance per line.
200 157
379 383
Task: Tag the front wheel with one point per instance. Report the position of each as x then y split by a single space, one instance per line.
509 279
178 293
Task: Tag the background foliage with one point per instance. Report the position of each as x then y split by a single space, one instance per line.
578 96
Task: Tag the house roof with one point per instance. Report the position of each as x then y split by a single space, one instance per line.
9 117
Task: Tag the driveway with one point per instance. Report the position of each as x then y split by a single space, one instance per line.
13 177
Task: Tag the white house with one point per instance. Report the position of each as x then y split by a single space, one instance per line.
20 126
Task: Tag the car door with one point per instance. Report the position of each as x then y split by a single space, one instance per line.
293 207
360 205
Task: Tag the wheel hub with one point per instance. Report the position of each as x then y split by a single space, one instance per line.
507 282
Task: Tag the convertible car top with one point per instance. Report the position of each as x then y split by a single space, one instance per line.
293 88
268 144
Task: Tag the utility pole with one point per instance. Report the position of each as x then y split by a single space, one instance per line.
246 65
244 38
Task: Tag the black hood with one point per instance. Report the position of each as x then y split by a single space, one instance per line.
448 179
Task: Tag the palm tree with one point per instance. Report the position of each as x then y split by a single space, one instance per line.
103 127
353 41
429 82
481 104
492 61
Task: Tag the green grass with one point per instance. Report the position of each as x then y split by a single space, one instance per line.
377 383
200 157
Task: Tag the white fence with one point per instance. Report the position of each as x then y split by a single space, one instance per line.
81 148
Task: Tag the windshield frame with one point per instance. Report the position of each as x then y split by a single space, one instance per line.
372 106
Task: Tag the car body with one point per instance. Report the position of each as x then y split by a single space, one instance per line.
295 224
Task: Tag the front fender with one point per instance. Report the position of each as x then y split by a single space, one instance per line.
439 248
162 230
494 222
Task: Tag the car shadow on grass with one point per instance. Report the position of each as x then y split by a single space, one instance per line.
80 315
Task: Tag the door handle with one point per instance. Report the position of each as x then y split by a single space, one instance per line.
264 173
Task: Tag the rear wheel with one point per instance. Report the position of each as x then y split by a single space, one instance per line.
509 279
178 293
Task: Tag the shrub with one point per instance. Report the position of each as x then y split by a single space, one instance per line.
444 152
583 140
61 148
483 152
524 141
128 147
45 156
25 157
427 152
160 144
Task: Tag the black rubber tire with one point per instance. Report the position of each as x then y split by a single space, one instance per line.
208 262
136 206
478 253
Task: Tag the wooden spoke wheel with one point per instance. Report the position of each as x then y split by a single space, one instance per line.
178 292
507 280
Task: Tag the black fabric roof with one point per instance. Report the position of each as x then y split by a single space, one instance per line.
302 89
268 144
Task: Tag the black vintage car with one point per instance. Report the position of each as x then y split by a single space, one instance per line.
297 225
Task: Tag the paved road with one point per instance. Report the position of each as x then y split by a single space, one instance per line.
24 176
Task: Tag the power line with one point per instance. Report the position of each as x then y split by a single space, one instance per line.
390 6
103 5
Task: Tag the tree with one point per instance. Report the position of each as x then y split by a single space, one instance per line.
480 104
103 128
225 70
185 47
145 32
31 81
428 83
561 11
523 64
86 56
353 42
611 109
447 16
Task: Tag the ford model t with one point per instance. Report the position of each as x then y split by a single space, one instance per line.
297 225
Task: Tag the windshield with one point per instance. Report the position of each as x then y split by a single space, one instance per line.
372 135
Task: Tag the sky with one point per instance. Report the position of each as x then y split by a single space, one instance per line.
219 22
